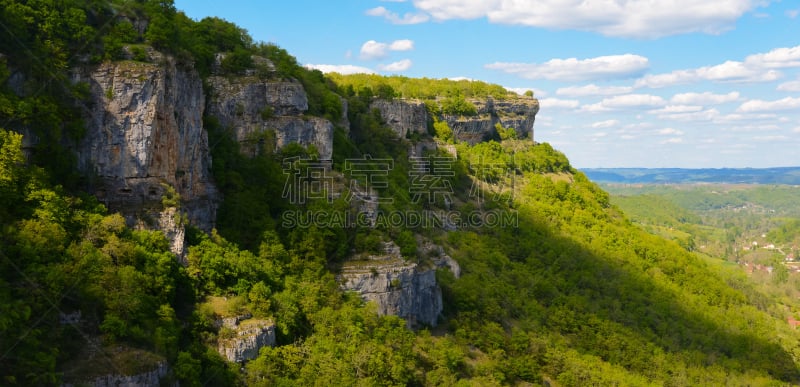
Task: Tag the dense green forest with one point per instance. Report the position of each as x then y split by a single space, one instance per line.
754 227
573 294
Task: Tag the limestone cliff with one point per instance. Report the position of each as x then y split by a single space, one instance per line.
403 116
396 286
251 106
518 113
245 337
411 116
144 133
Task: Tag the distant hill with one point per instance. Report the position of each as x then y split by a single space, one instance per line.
782 175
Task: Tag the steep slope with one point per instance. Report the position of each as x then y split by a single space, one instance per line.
546 281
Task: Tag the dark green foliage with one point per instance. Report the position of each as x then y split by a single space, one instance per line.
574 294
456 105
349 345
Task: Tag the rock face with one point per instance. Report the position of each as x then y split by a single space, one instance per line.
397 287
248 337
145 132
403 116
411 116
518 113
252 106
146 379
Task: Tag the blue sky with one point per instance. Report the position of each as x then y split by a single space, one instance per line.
622 83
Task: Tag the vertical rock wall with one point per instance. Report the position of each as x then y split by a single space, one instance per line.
251 107
144 134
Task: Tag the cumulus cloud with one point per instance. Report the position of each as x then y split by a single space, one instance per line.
341 69
770 138
402 45
557 103
632 18
401 65
696 116
593 90
670 132
757 105
573 69
705 98
790 86
394 18
626 102
377 50
671 109
730 71
777 58
760 67
673 140
605 124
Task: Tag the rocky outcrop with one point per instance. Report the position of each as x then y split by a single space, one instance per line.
411 116
517 113
144 133
396 286
438 257
251 107
403 116
145 379
150 378
243 337
170 223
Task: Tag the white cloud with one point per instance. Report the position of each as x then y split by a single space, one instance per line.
341 69
573 69
673 140
670 132
394 18
699 116
631 18
730 71
755 68
777 58
593 90
401 65
796 130
750 128
605 124
671 109
706 98
628 101
557 103
373 50
757 105
790 86
377 50
402 45
771 138
750 118
792 13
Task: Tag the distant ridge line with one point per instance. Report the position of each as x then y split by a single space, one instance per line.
775 175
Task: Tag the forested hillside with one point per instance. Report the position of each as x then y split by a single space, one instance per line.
566 290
